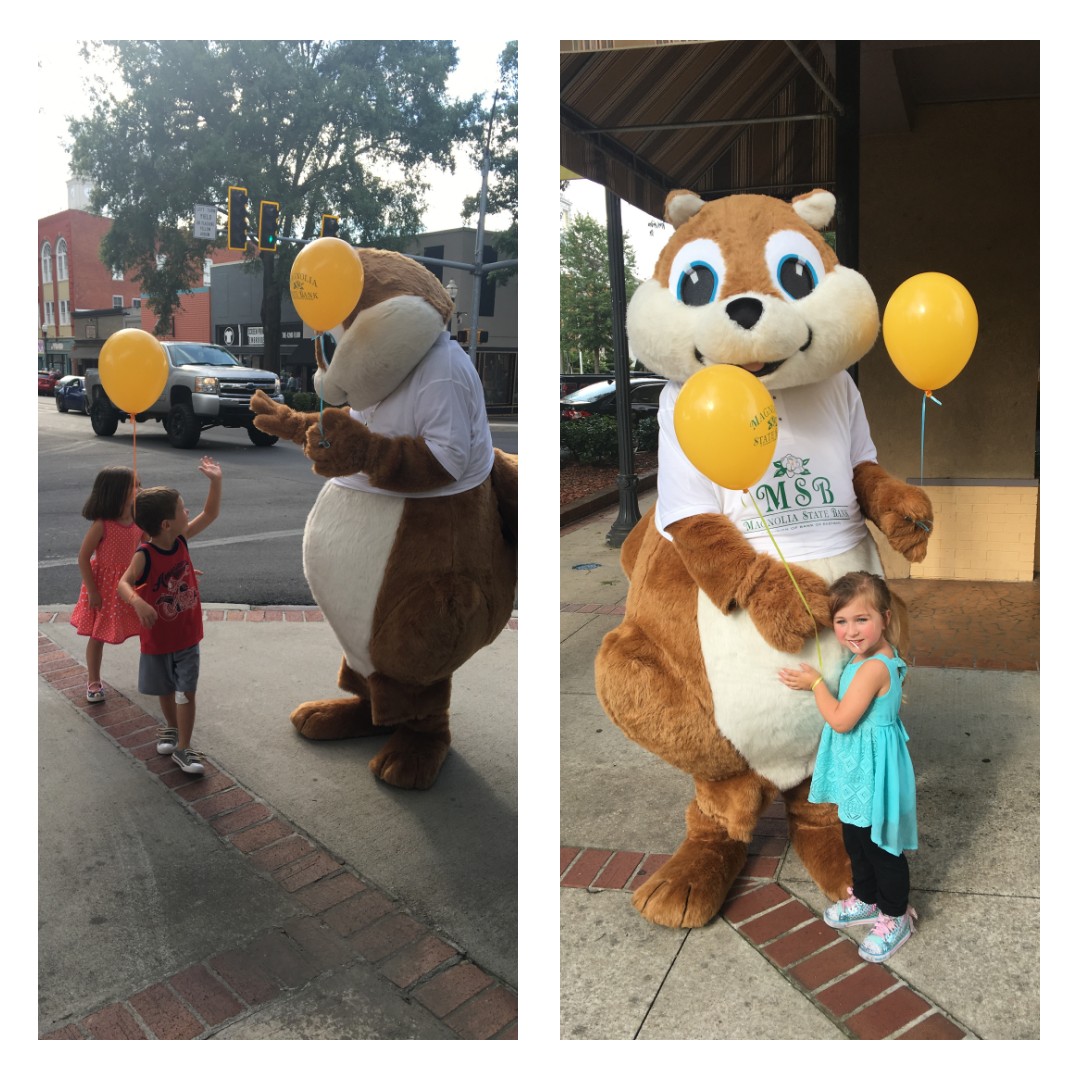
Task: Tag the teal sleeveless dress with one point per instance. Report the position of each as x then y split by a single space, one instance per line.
867 771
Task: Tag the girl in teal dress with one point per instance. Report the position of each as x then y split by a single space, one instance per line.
863 765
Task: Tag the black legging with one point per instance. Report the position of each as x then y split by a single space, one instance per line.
877 877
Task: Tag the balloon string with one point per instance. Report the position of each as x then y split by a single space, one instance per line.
134 454
922 435
817 640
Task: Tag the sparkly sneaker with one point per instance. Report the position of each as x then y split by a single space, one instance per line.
95 692
851 912
189 761
887 936
166 740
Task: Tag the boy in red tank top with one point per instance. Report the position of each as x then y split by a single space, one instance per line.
160 585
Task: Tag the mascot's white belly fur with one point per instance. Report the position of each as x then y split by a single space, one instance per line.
775 729
347 544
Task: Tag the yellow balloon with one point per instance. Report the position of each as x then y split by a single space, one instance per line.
326 281
134 369
930 325
726 424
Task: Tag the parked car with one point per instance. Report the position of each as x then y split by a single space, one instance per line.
46 381
598 399
70 393
206 387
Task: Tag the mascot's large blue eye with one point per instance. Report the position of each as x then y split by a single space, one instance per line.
796 276
697 285
795 263
697 273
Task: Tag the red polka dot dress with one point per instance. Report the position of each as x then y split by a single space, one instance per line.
114 621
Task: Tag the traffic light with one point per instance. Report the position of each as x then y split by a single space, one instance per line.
481 337
268 225
238 218
329 225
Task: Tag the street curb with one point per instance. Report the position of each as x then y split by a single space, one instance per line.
587 505
352 920
865 1001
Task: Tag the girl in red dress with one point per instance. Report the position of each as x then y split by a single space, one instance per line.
105 554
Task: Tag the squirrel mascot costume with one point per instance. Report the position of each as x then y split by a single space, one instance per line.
691 673
411 547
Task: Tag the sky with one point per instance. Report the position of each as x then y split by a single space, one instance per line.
61 76
589 198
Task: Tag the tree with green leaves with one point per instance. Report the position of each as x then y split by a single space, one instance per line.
585 321
317 126
502 192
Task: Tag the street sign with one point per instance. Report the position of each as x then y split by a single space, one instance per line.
205 222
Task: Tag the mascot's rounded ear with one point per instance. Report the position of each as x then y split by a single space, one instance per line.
816 207
680 206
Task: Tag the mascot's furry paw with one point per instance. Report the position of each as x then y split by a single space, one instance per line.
337 718
277 419
411 759
907 525
337 449
778 611
690 888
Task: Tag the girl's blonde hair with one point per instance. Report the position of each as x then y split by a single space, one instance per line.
110 493
861 583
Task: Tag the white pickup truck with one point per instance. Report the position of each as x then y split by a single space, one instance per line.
207 387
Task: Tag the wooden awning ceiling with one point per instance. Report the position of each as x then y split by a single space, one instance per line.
719 117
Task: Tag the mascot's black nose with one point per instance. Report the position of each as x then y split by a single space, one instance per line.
744 310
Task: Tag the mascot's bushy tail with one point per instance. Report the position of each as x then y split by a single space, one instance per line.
504 475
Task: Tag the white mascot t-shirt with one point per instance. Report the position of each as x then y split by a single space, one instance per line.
806 495
442 401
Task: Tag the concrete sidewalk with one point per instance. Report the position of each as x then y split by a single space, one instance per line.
768 967
287 894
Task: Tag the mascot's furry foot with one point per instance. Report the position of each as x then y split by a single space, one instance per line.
413 755
336 718
690 888
818 840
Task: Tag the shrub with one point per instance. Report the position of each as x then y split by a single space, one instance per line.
647 435
592 441
302 401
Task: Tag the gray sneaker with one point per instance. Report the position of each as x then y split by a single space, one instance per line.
166 740
189 761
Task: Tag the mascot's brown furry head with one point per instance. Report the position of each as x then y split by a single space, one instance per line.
691 674
749 280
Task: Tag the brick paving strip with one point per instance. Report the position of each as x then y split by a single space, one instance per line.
350 918
864 1001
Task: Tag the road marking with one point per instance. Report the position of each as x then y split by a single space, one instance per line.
284 534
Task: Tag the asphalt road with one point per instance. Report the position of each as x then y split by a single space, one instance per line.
250 555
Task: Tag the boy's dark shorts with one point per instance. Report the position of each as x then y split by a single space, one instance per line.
169 673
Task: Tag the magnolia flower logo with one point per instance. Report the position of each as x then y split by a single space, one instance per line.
791 465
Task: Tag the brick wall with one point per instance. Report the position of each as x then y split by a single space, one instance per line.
982 532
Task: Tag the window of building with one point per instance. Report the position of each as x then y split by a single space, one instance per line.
118 273
65 312
136 303
50 316
207 264
61 260
117 301
46 263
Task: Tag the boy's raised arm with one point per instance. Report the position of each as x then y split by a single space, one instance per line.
212 471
